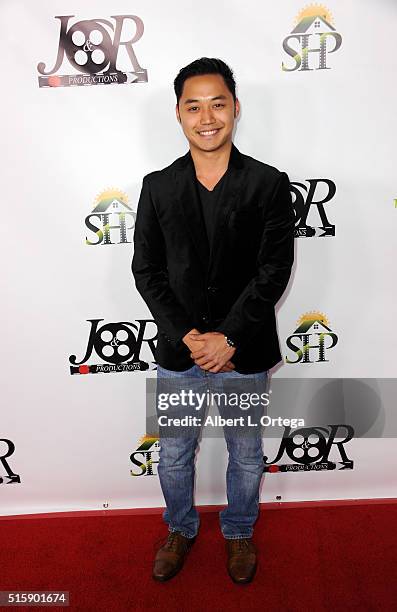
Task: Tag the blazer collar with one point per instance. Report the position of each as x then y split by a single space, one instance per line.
189 202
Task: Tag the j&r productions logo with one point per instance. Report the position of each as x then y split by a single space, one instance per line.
100 52
145 457
312 339
310 448
311 41
309 203
118 345
7 476
111 220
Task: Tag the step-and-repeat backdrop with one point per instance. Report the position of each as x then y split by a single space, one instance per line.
87 110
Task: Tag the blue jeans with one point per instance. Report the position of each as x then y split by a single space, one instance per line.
245 462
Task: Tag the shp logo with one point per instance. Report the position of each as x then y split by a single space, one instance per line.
312 40
111 221
312 339
145 457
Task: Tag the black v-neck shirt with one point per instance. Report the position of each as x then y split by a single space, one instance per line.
209 203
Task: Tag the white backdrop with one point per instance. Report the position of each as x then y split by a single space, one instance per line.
65 150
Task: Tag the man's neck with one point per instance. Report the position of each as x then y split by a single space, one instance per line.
211 164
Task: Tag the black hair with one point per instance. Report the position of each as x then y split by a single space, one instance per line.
205 65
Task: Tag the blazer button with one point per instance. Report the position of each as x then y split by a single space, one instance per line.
212 289
205 319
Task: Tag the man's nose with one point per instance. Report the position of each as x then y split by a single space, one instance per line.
207 116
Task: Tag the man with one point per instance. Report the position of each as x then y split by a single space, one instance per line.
213 251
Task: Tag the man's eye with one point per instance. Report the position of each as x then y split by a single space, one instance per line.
219 105
193 108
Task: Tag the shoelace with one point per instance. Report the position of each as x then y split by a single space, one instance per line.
239 545
172 542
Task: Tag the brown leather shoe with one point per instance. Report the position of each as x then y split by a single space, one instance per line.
171 556
241 562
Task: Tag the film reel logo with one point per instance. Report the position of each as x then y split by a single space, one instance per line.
92 48
118 345
309 449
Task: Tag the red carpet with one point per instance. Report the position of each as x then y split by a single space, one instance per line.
311 559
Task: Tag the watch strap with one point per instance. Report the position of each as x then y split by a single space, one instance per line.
230 342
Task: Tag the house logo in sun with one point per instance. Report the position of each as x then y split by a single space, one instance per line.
111 220
312 339
312 39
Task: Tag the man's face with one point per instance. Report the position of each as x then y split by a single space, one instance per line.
207 112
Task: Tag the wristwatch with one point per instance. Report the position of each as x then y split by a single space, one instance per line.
230 342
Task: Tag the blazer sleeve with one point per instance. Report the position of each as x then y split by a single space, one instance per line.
274 263
149 268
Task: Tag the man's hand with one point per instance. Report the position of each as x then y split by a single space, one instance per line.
195 341
188 339
211 352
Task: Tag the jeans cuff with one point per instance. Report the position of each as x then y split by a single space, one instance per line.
186 535
237 537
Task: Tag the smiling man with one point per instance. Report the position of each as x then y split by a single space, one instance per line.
213 251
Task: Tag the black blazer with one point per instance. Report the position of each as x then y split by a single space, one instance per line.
229 286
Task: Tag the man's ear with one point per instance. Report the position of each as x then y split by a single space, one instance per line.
236 108
177 113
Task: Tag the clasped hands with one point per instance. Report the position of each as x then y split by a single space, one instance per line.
210 351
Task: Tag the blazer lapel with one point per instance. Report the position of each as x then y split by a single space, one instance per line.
189 202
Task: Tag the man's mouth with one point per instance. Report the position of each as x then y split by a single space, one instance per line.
209 132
